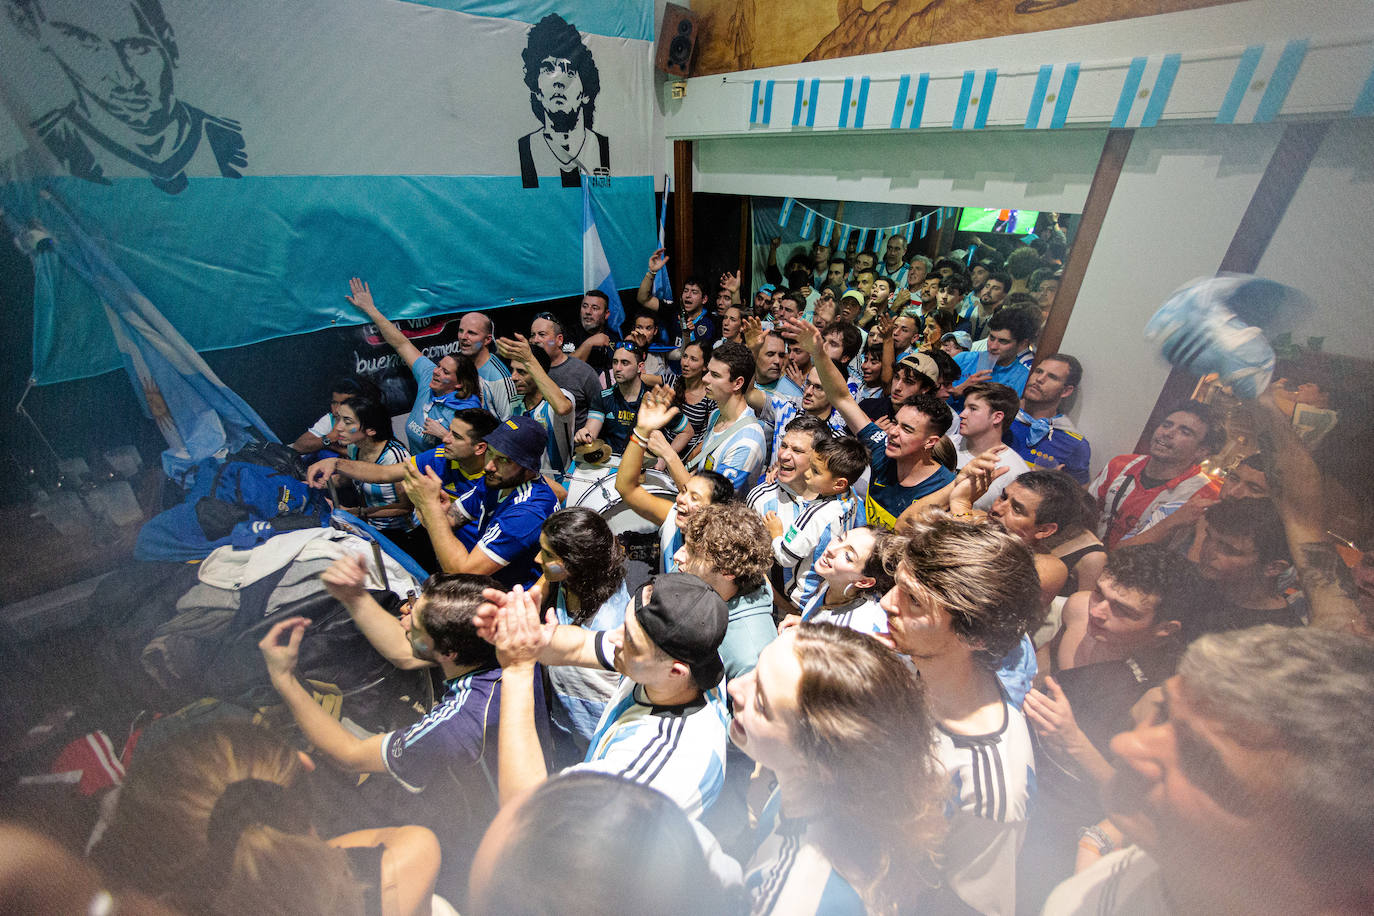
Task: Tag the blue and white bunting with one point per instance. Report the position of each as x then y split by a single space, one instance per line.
910 106
804 106
786 213
761 110
825 230
854 103
924 225
975 95
808 223
1149 80
1263 76
863 239
1052 96
940 218
910 231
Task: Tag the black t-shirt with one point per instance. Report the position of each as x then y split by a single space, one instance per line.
600 357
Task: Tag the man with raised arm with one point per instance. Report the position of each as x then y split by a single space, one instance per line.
429 417
666 725
569 373
903 467
538 395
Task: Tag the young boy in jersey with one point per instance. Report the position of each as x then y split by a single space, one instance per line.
835 462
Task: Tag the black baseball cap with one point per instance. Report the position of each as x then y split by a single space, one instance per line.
686 619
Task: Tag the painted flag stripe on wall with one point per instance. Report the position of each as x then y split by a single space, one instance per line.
1145 93
804 106
852 107
1052 96
1263 76
975 89
762 110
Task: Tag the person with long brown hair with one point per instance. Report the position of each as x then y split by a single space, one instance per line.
218 820
842 722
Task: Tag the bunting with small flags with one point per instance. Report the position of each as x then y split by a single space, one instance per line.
1145 93
1263 76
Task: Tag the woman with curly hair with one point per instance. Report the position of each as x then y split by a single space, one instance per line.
856 817
584 583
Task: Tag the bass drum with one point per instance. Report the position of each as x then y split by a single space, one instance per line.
637 535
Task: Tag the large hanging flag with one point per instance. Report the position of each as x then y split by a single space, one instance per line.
663 286
596 270
975 98
1145 93
255 167
1263 76
1052 96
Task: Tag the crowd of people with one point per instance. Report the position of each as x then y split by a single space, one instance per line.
896 650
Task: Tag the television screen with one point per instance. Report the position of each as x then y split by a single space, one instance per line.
1012 222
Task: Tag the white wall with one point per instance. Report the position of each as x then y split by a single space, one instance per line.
1180 197
1321 245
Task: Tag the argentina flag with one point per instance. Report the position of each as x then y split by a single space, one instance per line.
1052 96
1260 85
1145 92
239 162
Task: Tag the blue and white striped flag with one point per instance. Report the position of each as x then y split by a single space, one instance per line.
808 223
825 230
1263 76
863 239
663 286
910 231
786 213
911 102
1052 96
940 218
925 224
975 96
804 107
596 270
1149 80
853 105
879 240
761 109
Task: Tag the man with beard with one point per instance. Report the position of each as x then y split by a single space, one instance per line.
990 296
593 340
564 82
1041 433
1244 789
623 398
770 359
1135 492
510 511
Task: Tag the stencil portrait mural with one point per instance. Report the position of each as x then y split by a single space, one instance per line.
564 82
120 59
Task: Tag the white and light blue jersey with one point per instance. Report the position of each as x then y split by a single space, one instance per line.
678 750
385 494
581 694
739 450
670 540
801 544
779 411
788 873
862 614
775 497
992 778
493 370
497 397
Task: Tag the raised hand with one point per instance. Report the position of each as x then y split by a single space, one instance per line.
361 297
883 330
1052 716
519 637
659 444
423 489
516 349
657 260
730 281
656 410
806 334
753 332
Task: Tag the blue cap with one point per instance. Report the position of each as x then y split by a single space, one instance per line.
768 289
521 439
